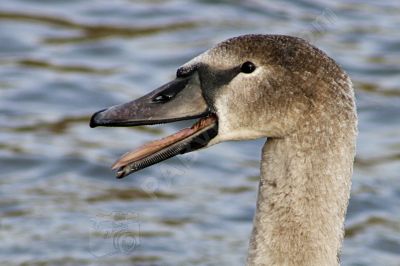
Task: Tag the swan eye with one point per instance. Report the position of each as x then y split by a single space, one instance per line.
247 67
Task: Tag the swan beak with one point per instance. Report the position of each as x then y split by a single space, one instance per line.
180 99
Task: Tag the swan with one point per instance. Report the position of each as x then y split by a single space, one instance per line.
256 86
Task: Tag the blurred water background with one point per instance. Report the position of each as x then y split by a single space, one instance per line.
62 60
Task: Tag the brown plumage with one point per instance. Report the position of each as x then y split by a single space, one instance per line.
256 86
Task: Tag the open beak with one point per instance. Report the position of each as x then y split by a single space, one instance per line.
180 99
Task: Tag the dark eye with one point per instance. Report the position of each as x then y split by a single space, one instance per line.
247 67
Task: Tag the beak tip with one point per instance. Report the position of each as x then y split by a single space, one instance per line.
94 121
120 174
92 124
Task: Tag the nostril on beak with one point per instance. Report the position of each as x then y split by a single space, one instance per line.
94 119
162 98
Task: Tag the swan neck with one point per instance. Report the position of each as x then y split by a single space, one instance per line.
302 200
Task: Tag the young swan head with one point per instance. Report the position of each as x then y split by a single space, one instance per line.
247 87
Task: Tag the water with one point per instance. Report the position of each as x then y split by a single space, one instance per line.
62 60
